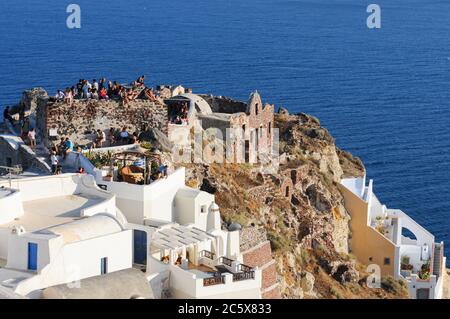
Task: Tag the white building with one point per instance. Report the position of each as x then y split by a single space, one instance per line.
178 237
394 241
58 230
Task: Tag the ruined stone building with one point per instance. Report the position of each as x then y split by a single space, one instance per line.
247 128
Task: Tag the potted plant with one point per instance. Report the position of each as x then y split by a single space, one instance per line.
424 272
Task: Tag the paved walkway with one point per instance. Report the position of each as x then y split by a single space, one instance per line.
446 285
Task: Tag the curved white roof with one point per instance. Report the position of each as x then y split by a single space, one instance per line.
204 107
86 228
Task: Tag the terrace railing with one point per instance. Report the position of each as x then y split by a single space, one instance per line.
240 276
225 261
207 254
216 280
245 273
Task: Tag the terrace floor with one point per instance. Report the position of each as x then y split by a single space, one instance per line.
201 271
44 213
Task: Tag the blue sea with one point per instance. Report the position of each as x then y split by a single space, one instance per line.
384 93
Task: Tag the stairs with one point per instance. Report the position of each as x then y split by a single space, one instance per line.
437 259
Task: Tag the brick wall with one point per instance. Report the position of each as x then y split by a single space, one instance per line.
261 256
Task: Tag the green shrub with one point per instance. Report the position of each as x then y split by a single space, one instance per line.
393 285
276 241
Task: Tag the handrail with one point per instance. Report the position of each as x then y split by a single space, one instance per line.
226 261
216 280
240 276
207 254
245 268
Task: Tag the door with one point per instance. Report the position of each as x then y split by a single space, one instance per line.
423 293
104 266
140 247
32 256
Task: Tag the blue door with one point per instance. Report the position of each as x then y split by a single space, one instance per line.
32 256
104 266
140 247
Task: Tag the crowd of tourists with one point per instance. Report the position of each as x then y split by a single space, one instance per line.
105 89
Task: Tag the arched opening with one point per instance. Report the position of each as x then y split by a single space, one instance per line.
408 234
287 191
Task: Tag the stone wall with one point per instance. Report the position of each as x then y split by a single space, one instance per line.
221 104
16 152
80 121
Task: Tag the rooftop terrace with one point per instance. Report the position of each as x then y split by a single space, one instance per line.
43 213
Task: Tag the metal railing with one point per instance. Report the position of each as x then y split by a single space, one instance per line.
240 276
245 268
9 171
225 261
207 254
216 280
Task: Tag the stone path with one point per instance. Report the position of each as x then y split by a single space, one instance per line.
446 285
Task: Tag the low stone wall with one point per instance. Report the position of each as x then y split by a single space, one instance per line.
19 153
80 121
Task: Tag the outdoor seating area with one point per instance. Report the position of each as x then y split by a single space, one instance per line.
138 166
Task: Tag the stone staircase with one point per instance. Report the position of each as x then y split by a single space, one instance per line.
437 259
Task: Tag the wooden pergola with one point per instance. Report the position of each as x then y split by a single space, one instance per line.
128 158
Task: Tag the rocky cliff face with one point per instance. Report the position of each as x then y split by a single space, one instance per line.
309 227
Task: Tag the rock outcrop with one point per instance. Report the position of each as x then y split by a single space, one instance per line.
308 225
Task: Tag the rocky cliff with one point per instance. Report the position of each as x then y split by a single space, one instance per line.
308 225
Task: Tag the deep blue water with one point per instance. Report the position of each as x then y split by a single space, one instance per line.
384 94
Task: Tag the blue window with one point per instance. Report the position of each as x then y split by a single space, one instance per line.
32 256
104 266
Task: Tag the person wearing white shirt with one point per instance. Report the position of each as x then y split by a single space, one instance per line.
54 160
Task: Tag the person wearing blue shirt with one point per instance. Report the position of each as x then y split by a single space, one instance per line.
68 144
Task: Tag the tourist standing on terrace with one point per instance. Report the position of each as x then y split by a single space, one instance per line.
68 96
95 84
85 89
32 138
100 138
54 161
112 136
25 128
109 90
80 88
61 146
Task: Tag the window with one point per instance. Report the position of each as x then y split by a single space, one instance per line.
370 259
256 109
387 261
287 191
32 256
269 130
203 209
104 266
